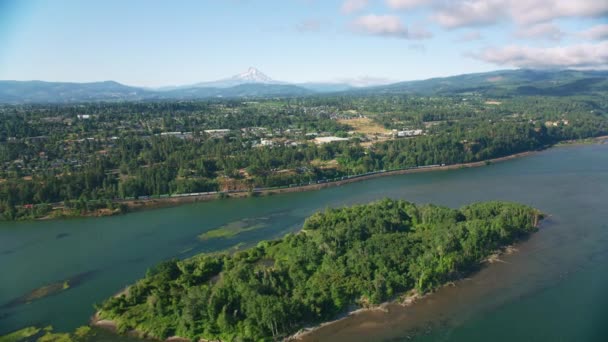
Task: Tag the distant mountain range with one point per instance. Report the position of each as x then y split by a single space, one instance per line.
255 84
506 83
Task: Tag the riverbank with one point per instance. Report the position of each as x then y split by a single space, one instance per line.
134 205
587 141
143 204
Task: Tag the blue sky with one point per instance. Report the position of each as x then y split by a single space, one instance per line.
154 43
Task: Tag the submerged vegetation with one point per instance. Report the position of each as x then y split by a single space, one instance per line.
20 335
82 334
39 293
230 230
238 227
361 255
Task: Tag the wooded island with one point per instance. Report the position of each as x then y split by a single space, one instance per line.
343 258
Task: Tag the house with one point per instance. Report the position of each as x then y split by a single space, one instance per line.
217 133
180 135
408 133
266 142
325 140
557 123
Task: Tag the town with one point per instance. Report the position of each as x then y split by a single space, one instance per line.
83 157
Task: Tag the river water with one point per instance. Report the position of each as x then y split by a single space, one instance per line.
552 289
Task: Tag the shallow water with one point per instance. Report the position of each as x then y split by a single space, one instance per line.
550 290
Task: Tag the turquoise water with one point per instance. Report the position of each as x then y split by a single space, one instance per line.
550 290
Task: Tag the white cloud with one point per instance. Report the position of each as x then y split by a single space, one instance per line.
599 32
581 56
407 4
547 31
350 6
381 25
532 19
470 13
467 13
535 11
388 26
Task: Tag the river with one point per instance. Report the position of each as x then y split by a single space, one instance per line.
552 289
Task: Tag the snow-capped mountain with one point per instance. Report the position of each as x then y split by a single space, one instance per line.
251 76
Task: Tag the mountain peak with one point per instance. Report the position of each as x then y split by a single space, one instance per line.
253 75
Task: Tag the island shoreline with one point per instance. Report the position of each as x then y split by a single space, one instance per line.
405 299
409 298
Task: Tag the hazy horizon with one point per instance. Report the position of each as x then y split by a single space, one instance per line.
339 81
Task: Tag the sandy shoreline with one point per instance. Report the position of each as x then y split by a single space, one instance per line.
405 300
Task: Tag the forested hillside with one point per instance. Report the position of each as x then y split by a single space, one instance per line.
507 83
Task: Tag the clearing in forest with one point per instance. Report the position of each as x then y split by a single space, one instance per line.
365 126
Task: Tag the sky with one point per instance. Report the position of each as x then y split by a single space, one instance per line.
160 43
